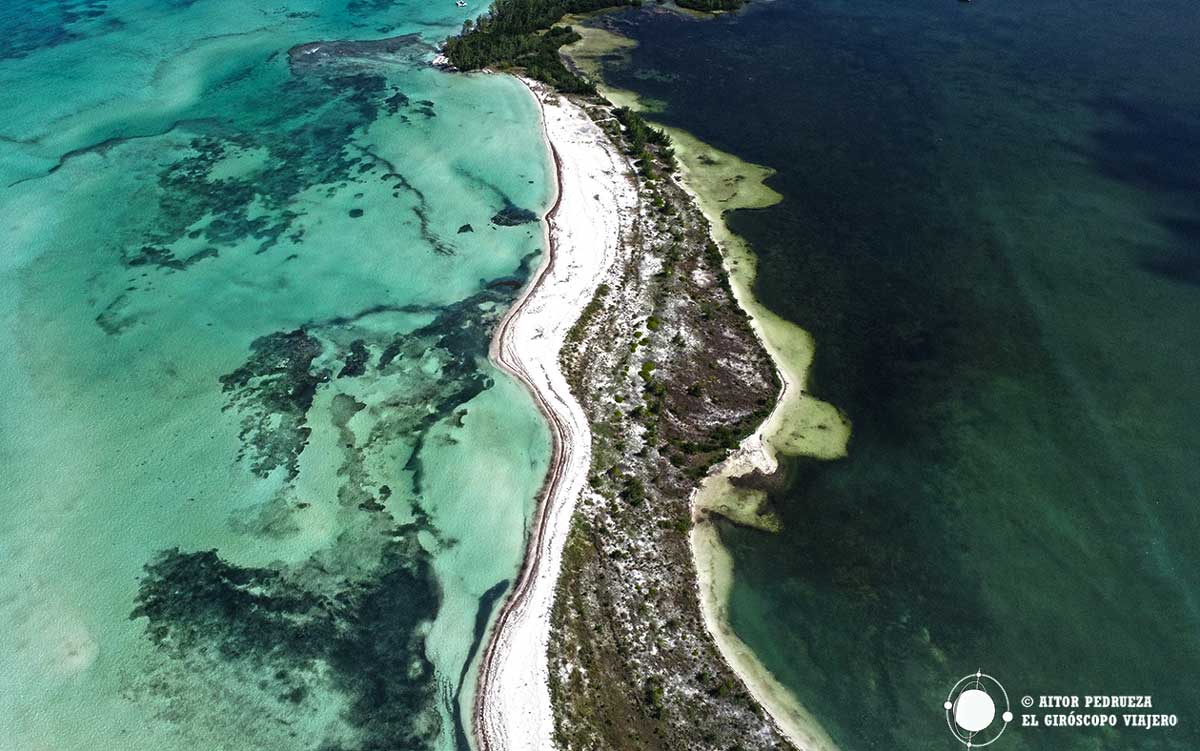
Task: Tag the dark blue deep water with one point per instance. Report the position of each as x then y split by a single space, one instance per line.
991 225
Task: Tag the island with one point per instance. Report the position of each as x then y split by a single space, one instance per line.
648 369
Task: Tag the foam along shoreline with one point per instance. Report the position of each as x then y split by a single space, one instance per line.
800 425
595 196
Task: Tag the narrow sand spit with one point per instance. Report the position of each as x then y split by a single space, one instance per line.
594 207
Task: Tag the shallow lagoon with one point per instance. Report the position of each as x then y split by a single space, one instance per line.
262 487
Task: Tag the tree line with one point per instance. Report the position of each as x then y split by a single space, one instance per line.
522 34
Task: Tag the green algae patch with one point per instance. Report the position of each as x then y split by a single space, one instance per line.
594 48
746 507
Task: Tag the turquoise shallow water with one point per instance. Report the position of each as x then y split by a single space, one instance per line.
262 488
991 226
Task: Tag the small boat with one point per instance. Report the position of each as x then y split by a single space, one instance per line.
461 3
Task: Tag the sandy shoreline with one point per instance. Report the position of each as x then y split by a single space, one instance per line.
799 425
512 707
584 228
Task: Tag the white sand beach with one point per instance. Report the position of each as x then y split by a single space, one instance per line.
596 198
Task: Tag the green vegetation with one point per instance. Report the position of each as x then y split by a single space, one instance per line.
645 143
653 688
635 491
710 5
521 34
651 362
577 332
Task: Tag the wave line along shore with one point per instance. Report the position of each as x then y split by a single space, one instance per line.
584 231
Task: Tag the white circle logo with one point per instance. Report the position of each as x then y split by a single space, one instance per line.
974 710
971 710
